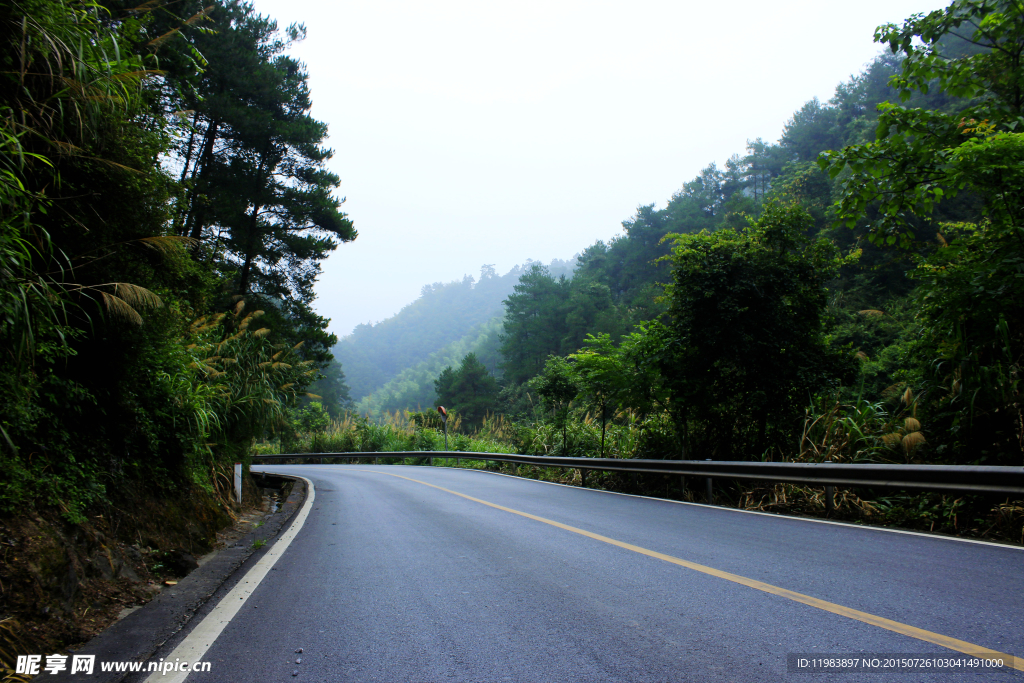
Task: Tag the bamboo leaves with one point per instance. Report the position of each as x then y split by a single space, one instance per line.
252 380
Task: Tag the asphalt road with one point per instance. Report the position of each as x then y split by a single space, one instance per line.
391 579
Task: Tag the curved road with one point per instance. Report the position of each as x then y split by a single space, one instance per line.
407 574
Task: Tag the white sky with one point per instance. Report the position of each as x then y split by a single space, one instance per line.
468 133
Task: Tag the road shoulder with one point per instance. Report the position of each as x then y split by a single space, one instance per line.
136 637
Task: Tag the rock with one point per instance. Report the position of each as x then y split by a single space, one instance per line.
180 562
101 563
128 573
70 588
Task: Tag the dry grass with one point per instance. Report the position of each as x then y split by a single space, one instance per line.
11 645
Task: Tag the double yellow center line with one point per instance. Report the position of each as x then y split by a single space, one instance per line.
888 624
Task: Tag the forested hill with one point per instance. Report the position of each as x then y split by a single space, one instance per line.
858 281
620 285
444 314
413 388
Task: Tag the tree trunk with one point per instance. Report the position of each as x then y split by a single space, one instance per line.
250 255
243 281
179 220
194 223
565 426
762 431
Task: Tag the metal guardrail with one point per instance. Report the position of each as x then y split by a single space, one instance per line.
977 479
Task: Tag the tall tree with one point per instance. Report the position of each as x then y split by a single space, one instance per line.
557 386
534 324
470 390
745 332
259 196
811 130
970 288
600 377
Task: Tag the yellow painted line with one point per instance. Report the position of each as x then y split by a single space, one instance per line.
888 624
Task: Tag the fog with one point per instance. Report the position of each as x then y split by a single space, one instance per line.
472 133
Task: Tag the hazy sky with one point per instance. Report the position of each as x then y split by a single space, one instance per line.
468 133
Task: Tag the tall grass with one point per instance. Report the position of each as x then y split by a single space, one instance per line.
392 432
862 432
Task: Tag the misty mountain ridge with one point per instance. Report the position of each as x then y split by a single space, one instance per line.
444 315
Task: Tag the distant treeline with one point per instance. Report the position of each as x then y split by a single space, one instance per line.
445 314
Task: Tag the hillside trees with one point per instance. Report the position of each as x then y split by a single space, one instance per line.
863 302
745 332
258 195
375 355
969 288
534 323
470 390
107 381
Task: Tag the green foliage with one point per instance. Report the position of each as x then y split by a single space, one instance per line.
391 365
992 74
600 377
557 386
105 385
968 297
970 294
534 323
470 390
746 332
413 388
922 157
332 390
254 381
311 420
394 432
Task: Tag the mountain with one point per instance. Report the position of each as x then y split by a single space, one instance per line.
443 317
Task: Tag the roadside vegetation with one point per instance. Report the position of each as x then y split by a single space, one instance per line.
854 292
164 210
851 293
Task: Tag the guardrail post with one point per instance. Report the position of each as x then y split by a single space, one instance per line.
583 477
711 492
830 497
376 460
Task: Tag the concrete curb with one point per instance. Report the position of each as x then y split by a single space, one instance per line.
137 636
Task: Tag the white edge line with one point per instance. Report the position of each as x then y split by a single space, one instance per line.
198 641
773 515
